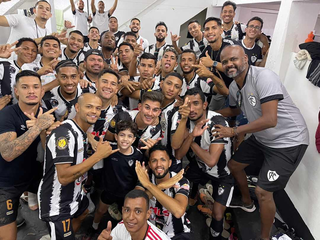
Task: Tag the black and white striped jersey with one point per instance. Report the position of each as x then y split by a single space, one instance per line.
206 85
36 66
164 219
66 109
8 71
157 52
87 47
101 126
93 87
77 59
220 170
67 144
236 32
166 122
153 132
196 46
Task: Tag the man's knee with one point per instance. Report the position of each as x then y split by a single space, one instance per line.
83 215
263 195
235 166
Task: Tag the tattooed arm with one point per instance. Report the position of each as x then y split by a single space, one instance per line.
12 147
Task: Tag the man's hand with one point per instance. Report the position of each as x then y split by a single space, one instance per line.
114 100
104 149
221 131
199 128
206 61
84 83
52 127
142 174
202 70
130 85
138 49
149 142
61 36
68 24
44 120
6 50
114 64
4 101
106 233
174 37
89 19
147 83
184 109
171 182
158 70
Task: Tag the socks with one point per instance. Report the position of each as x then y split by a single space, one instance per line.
95 225
216 227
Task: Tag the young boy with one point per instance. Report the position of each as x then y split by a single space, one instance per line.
119 171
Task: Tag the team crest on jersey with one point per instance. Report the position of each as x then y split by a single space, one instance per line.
130 162
115 110
54 102
220 191
253 59
153 130
113 123
252 100
12 70
36 69
62 143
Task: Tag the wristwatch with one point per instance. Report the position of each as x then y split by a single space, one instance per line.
214 65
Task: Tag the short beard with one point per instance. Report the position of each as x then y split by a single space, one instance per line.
160 39
108 48
239 71
212 41
161 176
185 72
32 103
194 120
72 51
134 31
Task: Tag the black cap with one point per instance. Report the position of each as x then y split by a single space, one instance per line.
93 52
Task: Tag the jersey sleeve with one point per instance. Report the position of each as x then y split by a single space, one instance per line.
232 94
7 121
184 187
213 121
61 143
269 86
13 19
175 122
116 232
186 46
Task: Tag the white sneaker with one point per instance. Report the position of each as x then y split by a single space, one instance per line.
45 237
114 212
91 206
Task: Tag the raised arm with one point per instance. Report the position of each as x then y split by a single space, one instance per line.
113 8
73 7
4 21
93 8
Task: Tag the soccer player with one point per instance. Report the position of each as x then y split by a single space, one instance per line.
211 155
135 224
73 51
26 50
113 27
158 48
81 18
62 203
93 43
279 133
135 28
19 170
168 206
101 17
65 96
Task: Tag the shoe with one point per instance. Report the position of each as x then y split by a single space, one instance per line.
32 201
205 196
208 221
45 237
90 234
20 220
114 212
91 206
239 204
24 198
209 187
205 210
225 234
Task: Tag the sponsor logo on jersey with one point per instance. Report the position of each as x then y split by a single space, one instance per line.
272 176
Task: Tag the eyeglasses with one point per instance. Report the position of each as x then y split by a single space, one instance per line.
239 98
254 27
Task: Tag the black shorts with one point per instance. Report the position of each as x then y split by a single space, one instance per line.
222 187
109 198
9 200
61 227
278 163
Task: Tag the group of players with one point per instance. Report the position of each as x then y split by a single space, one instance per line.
114 114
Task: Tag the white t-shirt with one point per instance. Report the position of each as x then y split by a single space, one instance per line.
101 21
36 66
153 233
22 26
81 21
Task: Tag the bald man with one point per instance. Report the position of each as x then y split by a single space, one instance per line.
279 133
62 204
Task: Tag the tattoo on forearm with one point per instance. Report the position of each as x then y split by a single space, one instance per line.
219 85
16 147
